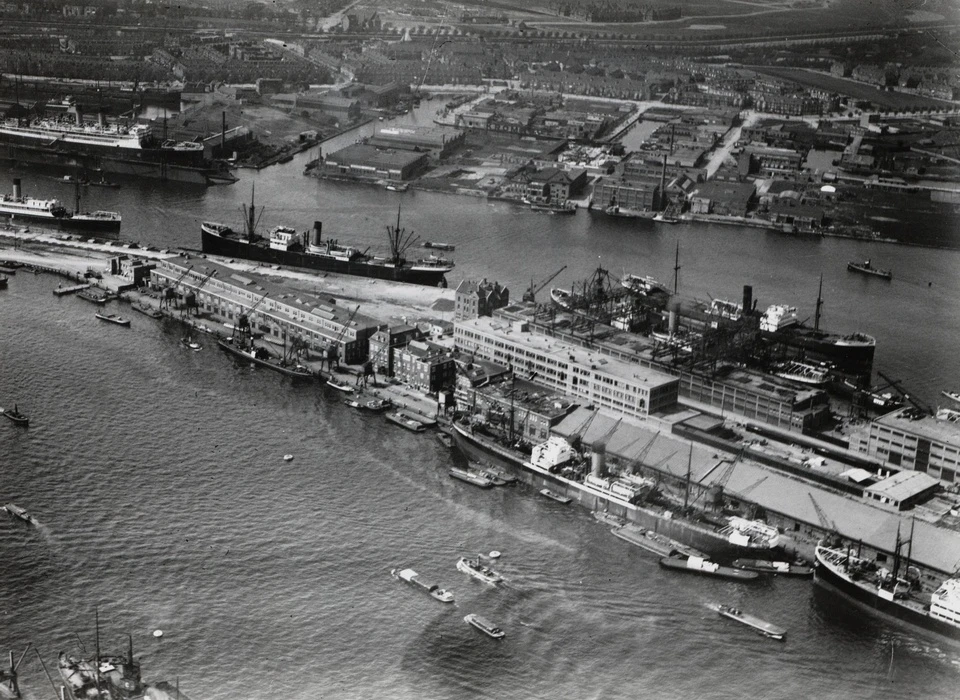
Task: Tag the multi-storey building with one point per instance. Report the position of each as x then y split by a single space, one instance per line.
622 387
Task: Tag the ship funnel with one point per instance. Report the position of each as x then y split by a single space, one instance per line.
672 321
79 117
316 233
101 119
747 299
16 188
598 460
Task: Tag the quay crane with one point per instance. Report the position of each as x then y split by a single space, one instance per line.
918 405
533 289
332 353
825 520
170 291
190 297
243 320
370 366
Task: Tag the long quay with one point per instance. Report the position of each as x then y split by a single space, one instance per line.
61 291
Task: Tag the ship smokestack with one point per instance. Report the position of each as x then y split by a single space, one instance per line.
598 460
316 234
672 321
747 299
16 188
79 117
101 120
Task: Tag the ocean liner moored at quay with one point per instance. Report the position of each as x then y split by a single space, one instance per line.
285 246
624 497
52 214
891 591
121 149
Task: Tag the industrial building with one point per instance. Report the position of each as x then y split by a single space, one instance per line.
482 298
369 162
906 439
437 141
622 387
424 365
277 311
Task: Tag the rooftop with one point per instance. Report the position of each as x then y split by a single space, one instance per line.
567 353
904 485
944 431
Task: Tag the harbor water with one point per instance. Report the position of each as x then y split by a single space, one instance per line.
164 502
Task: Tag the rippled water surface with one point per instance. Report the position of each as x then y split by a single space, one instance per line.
163 500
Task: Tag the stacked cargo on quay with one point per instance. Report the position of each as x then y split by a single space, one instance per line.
285 246
52 214
108 148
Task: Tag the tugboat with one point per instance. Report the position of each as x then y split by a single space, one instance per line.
866 268
339 385
413 578
20 513
15 415
473 567
485 626
761 626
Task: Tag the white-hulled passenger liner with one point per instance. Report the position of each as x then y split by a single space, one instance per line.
52 214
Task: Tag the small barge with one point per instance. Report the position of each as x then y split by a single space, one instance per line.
761 626
782 568
471 477
485 626
113 318
554 496
413 578
404 421
699 565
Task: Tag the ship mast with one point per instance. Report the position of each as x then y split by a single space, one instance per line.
97 626
400 240
686 493
250 217
816 315
676 269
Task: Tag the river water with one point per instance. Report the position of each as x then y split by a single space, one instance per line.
163 500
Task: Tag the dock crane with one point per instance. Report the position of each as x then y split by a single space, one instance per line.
895 383
332 353
243 320
170 291
190 298
370 366
825 520
533 289
721 481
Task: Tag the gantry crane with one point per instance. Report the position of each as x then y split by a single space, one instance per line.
533 289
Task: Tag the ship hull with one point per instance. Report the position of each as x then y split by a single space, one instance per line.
80 224
214 244
685 532
853 358
114 164
866 596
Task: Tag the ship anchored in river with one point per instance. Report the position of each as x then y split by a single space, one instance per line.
285 246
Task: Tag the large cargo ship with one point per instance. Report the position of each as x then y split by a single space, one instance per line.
124 149
309 249
890 591
51 213
624 498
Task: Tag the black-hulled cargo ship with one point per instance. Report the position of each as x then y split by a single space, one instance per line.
286 246
52 214
890 590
